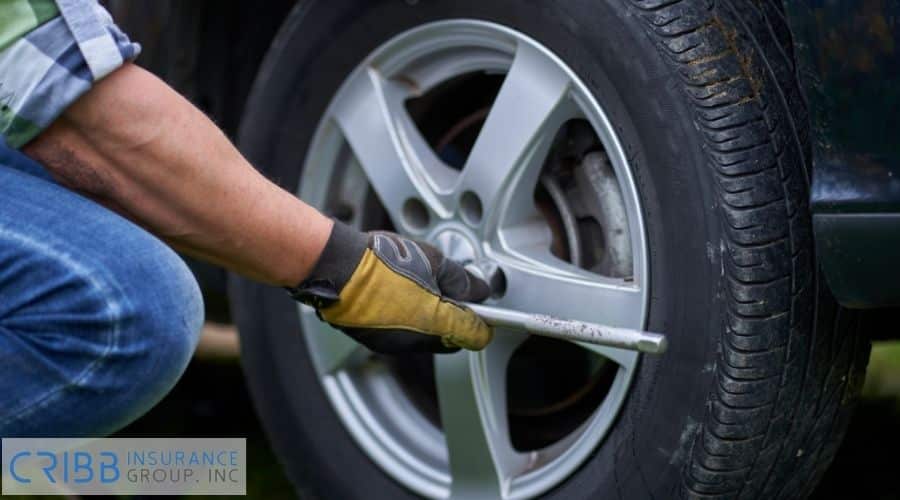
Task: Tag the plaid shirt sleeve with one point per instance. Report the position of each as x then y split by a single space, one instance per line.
51 52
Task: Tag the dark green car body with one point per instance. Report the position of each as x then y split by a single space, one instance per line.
848 62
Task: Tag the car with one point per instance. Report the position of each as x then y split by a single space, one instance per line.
725 172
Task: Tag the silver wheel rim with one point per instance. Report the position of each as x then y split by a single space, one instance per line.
367 139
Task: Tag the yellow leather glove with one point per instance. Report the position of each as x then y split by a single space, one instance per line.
394 294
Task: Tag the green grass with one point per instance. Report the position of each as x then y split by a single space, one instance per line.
883 374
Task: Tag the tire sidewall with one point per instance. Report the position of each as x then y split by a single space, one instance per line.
644 453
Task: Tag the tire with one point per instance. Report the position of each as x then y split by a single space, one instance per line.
763 370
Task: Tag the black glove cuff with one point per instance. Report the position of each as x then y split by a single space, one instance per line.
342 253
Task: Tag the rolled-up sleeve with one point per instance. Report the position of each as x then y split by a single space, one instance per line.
52 52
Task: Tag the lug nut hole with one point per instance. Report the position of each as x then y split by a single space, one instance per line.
497 282
470 208
415 214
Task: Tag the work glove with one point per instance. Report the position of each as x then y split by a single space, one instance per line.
393 294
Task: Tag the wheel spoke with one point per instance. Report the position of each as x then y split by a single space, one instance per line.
565 291
542 284
522 122
472 396
332 350
398 162
622 357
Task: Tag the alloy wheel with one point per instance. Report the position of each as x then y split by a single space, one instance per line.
555 235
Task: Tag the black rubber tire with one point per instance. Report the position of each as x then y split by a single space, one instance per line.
754 394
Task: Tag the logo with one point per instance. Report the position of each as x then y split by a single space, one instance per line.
124 466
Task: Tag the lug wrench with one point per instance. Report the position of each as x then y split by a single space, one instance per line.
567 329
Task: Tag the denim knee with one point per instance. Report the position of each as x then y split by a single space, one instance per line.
98 319
162 328
90 341
158 327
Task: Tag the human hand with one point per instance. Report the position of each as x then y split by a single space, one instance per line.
395 295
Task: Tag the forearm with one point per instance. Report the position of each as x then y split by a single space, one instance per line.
137 146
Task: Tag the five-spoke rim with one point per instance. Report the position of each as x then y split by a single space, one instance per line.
367 138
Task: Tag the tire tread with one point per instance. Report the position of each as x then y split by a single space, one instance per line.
786 379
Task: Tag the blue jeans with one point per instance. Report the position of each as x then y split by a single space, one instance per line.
98 319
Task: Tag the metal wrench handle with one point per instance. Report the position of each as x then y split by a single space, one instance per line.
567 329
